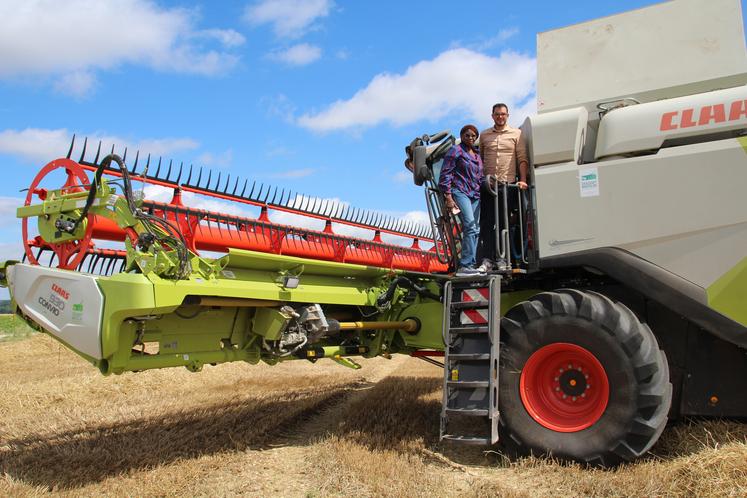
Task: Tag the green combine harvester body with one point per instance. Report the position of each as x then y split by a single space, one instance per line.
624 304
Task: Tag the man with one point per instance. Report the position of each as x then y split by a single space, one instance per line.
504 154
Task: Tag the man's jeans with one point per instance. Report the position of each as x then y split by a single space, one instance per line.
470 216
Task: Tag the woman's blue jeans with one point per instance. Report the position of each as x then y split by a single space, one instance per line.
470 216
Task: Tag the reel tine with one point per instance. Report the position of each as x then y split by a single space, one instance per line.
158 168
264 201
147 165
274 194
83 154
285 202
217 183
225 187
134 166
199 177
108 266
168 173
210 176
70 150
98 153
246 180
343 215
179 176
235 187
124 157
254 183
189 176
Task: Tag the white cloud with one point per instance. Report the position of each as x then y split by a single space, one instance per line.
75 38
278 106
43 145
507 33
227 37
223 159
297 55
456 81
289 18
77 84
497 40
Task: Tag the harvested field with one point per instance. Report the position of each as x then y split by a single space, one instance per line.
294 430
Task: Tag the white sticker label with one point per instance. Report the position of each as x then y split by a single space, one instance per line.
588 180
228 274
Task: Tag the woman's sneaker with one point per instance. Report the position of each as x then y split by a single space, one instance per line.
466 271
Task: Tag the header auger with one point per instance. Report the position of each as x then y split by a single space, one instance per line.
626 306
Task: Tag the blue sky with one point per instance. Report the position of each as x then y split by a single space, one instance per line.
320 96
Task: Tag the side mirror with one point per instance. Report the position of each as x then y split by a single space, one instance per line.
420 171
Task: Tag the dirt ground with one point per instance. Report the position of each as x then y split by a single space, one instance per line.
295 429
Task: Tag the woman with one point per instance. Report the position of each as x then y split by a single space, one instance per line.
461 175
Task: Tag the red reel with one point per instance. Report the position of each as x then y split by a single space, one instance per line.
69 254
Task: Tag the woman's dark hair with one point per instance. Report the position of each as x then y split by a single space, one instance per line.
469 127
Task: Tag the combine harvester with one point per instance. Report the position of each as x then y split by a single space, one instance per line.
625 306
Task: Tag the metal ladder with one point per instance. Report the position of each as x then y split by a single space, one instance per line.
471 332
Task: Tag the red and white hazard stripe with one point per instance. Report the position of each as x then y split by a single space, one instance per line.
468 317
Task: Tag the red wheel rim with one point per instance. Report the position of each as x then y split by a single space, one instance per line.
564 387
69 254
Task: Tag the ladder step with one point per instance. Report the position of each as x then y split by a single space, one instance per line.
470 356
465 305
464 282
468 384
482 441
474 412
480 329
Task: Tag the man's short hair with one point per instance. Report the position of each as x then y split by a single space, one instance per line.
500 104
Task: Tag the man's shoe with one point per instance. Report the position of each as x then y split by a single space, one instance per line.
501 265
466 271
485 266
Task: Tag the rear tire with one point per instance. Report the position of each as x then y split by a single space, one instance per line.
609 407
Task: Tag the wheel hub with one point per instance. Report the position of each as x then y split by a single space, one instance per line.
573 382
564 387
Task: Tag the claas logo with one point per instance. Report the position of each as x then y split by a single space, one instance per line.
718 113
62 292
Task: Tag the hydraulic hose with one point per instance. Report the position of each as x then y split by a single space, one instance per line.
405 282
